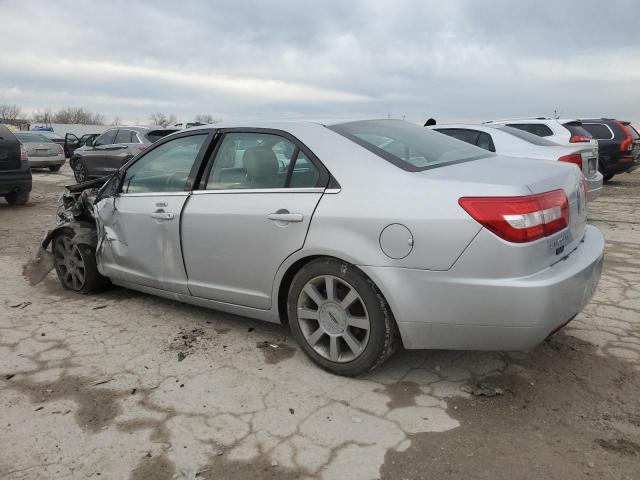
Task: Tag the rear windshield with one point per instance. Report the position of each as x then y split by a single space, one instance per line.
408 146
32 138
528 137
577 129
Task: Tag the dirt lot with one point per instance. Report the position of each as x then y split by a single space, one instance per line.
123 385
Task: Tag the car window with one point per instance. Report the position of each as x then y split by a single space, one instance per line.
486 142
251 160
304 173
576 129
123 136
165 168
107 138
598 131
407 145
469 136
32 138
526 136
538 129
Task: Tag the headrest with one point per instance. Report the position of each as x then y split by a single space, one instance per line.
260 163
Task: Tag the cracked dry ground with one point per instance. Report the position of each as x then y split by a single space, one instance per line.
92 387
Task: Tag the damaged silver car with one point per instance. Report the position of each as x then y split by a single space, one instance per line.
362 236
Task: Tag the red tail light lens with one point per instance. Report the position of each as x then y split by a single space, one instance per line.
520 219
60 150
23 154
574 158
628 140
579 138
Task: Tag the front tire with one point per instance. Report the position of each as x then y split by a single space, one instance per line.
340 319
75 265
17 198
80 171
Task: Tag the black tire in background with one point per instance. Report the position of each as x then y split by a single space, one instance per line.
17 198
80 171
383 338
75 265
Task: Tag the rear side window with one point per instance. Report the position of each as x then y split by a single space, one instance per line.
260 160
469 136
406 145
598 130
123 136
538 129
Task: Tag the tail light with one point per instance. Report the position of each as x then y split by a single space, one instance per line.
520 219
574 158
23 154
628 140
579 138
60 150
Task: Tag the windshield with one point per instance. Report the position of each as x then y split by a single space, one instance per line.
528 137
408 146
32 138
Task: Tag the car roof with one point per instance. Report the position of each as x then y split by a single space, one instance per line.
282 124
534 120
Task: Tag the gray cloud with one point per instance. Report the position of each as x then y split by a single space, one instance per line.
456 60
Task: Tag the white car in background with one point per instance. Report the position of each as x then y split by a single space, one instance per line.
563 131
512 142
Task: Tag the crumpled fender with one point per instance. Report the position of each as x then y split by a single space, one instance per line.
84 233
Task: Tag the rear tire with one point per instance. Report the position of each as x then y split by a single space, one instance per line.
80 171
606 177
17 198
343 324
75 264
55 168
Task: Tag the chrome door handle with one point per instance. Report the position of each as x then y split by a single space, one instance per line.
162 215
285 217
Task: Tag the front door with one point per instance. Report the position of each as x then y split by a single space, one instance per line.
140 227
253 212
94 156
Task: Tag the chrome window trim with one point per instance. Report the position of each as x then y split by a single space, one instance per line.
154 194
259 190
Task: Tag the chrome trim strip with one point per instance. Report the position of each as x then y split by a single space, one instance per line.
154 194
333 190
258 190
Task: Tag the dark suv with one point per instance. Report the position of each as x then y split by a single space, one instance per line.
618 145
112 149
15 174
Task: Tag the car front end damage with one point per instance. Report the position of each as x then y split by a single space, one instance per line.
76 215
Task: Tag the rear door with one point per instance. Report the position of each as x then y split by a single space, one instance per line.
116 154
253 210
141 225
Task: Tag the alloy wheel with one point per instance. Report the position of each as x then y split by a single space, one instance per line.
333 318
80 172
69 263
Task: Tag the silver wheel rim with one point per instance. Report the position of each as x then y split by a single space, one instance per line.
333 318
80 172
69 263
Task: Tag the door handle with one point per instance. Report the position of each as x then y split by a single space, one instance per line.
162 215
285 217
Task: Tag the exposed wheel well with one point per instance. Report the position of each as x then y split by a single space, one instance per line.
283 291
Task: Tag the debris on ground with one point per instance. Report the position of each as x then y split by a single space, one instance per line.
483 389
181 356
38 267
275 352
21 305
620 446
99 307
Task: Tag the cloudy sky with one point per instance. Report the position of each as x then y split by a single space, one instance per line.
454 60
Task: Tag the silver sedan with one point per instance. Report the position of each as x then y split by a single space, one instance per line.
361 236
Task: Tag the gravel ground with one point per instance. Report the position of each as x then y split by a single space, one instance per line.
123 385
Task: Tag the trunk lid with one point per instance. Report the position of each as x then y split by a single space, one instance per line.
44 149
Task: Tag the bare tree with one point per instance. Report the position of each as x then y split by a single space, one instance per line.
116 121
78 115
9 113
207 118
44 116
162 119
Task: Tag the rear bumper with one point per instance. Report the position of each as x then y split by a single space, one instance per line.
39 162
440 310
15 181
594 186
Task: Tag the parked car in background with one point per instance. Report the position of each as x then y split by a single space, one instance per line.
42 151
359 235
72 142
561 131
513 142
55 138
112 149
15 173
185 125
619 145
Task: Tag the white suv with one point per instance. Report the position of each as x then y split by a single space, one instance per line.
561 131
